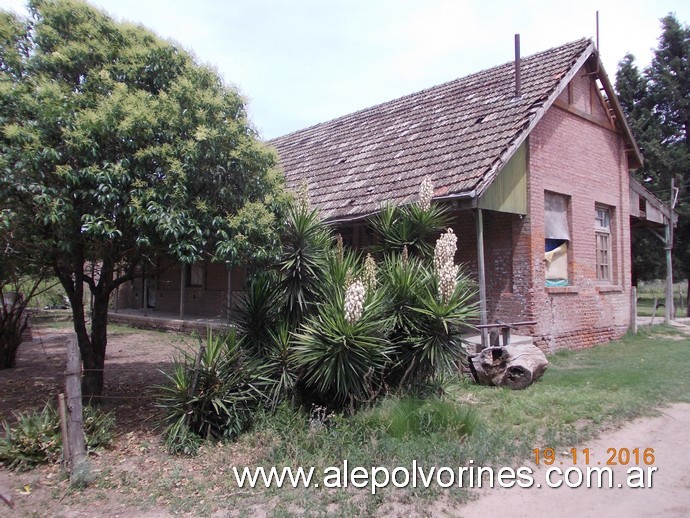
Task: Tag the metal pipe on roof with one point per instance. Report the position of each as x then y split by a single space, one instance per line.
518 85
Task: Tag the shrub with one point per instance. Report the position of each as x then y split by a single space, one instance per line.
425 337
36 437
259 313
342 360
212 396
412 226
306 240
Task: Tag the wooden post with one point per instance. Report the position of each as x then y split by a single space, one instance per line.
481 277
669 274
669 256
183 281
633 308
229 297
75 422
62 408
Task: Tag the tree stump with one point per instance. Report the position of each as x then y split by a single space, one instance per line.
514 366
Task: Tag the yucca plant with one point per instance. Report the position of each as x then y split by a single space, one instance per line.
342 358
212 394
277 365
336 273
410 226
426 329
404 279
434 342
259 313
306 240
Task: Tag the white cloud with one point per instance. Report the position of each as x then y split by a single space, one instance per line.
303 62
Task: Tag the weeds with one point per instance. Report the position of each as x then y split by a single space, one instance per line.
36 438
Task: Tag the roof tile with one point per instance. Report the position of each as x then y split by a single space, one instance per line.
453 133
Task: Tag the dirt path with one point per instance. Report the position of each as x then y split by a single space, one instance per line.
669 495
137 472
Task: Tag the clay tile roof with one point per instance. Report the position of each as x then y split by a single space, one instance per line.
454 133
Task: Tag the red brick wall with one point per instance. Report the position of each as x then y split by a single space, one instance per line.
572 156
208 300
506 261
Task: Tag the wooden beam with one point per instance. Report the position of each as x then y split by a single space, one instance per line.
481 275
183 282
229 296
75 418
604 123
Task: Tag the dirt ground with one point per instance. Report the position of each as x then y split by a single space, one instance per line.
133 365
669 495
134 362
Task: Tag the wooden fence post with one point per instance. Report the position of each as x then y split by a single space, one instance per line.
633 310
62 409
75 419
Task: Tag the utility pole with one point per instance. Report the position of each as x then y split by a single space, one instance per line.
668 246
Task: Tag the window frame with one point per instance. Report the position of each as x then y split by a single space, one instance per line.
560 234
603 243
194 270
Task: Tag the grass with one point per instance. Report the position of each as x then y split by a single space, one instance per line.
582 393
648 291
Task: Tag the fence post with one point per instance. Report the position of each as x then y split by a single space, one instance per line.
75 419
62 409
633 310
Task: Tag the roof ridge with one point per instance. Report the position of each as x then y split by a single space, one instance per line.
584 42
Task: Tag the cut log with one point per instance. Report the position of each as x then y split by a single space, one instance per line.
514 366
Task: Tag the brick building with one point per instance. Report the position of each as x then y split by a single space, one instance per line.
534 157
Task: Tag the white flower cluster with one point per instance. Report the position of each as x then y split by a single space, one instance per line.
369 275
444 264
303 196
426 192
354 301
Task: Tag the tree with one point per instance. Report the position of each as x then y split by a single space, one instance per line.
657 105
117 148
17 288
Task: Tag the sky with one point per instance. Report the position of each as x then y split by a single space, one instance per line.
301 62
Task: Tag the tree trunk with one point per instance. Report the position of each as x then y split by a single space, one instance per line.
94 361
514 366
91 348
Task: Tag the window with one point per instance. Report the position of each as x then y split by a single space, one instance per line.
557 238
602 233
195 275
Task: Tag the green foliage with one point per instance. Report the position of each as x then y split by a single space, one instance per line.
211 395
277 365
323 326
343 361
396 227
305 244
35 437
426 331
260 311
435 333
409 418
656 103
116 147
